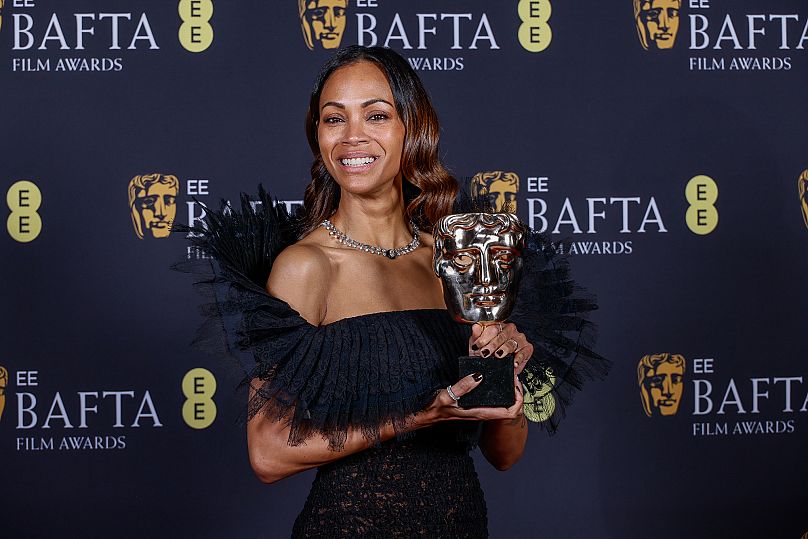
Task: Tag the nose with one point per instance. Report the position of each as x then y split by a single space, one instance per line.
499 202
484 272
160 207
664 20
667 390
354 132
328 20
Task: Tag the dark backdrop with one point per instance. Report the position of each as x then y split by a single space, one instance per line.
90 307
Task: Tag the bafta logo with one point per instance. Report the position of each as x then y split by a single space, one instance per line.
153 204
499 187
3 384
802 187
323 22
657 22
661 378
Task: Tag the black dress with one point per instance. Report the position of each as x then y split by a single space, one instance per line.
422 486
373 370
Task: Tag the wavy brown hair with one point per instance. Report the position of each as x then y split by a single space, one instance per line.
429 189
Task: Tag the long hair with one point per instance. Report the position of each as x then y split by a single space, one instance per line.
429 189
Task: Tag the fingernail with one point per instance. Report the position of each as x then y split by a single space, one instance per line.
477 376
486 353
500 352
474 347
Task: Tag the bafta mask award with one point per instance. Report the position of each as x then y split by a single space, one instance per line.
478 258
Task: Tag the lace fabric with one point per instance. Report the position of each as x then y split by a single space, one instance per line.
419 487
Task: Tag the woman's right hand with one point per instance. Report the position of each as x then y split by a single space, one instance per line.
445 408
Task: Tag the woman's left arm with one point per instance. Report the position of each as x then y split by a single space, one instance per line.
502 441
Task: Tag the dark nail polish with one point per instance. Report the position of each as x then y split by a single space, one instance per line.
500 352
474 347
477 376
486 353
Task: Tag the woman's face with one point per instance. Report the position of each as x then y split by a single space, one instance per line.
360 133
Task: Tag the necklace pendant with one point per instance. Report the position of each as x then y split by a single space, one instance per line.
391 254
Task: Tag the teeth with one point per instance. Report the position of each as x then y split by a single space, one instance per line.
357 161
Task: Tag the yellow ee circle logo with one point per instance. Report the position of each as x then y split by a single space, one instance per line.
535 34
701 193
198 386
196 33
23 199
540 405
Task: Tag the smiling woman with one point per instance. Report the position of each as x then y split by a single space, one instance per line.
392 91
355 354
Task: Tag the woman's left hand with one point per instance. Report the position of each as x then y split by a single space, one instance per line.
500 339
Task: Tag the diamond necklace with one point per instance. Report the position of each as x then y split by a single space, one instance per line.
341 237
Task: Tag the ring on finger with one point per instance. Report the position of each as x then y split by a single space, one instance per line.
515 344
452 394
499 325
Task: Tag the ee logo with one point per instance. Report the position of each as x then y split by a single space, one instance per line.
701 193
23 199
198 386
535 34
196 33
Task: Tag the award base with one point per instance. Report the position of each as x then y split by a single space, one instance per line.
496 389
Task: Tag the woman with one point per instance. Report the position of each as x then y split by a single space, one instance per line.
370 139
355 356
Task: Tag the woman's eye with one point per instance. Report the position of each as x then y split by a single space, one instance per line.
332 120
378 117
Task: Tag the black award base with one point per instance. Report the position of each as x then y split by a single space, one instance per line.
496 389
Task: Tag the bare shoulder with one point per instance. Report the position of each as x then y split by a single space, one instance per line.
300 261
300 276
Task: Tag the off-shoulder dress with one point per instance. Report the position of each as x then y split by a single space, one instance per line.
376 369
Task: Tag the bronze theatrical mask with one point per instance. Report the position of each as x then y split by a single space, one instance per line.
323 22
3 383
657 23
802 187
153 204
661 378
478 258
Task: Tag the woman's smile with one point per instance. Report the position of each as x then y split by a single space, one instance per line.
357 162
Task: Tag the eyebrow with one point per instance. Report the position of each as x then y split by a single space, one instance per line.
366 104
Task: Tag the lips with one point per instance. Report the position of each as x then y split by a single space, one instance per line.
357 162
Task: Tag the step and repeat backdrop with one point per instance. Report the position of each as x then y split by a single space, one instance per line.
662 144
